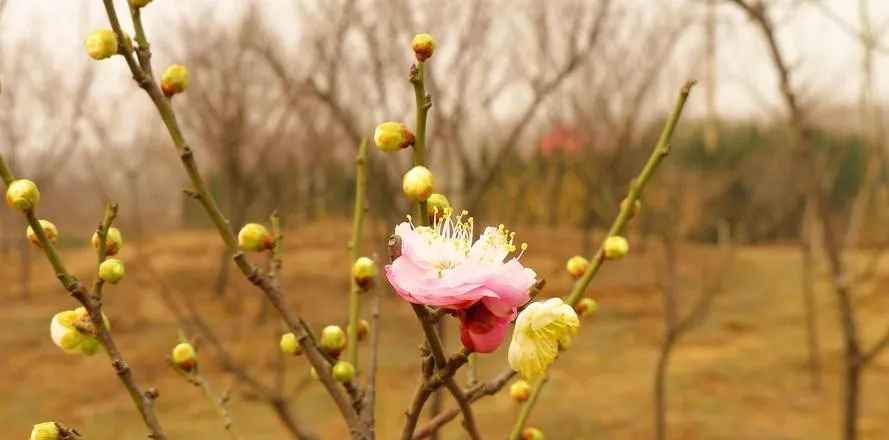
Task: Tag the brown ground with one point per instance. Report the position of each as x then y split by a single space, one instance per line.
741 375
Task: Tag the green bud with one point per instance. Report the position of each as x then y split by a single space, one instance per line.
113 241
254 237
577 265
289 344
139 3
49 229
111 270
586 307
417 183
175 80
22 194
520 391
343 372
436 204
364 270
363 329
185 356
393 136
333 340
616 247
101 44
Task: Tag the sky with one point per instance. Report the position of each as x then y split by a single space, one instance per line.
825 57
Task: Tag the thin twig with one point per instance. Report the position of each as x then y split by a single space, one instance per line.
355 252
519 426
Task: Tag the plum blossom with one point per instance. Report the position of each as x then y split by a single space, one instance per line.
441 266
541 330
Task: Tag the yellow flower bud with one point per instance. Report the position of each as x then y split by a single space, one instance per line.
616 247
22 194
520 391
254 237
333 340
586 307
113 241
175 80
139 3
424 46
74 332
101 44
184 356
540 330
364 270
45 431
393 136
436 204
111 270
289 344
577 265
417 183
49 229
532 434
363 329
343 371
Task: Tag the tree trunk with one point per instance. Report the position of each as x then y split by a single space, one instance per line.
660 387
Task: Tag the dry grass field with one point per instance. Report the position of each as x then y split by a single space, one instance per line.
740 375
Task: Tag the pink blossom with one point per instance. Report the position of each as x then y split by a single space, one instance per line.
441 266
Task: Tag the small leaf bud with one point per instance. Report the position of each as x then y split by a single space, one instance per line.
113 241
616 247
111 270
393 136
586 307
175 80
424 46
520 391
101 44
333 340
49 229
364 271
185 357
254 237
289 344
343 371
577 266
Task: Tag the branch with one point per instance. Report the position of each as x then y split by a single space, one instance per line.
144 401
220 403
163 105
475 393
355 252
526 409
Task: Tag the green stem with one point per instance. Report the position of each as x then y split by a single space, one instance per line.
101 251
660 151
355 251
519 426
424 102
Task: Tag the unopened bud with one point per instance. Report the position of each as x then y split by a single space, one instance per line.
363 329
254 237
424 46
532 434
22 194
343 371
577 266
586 307
289 344
436 204
520 391
49 229
139 3
393 136
185 357
637 206
417 183
113 241
174 80
111 270
364 271
45 431
333 340
616 247
101 44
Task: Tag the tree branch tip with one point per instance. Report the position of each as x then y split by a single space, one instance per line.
686 88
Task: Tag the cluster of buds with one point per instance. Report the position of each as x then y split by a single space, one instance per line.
185 357
74 332
23 195
520 391
49 230
254 237
113 241
289 345
364 272
333 340
174 80
417 183
616 247
532 434
577 266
